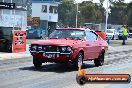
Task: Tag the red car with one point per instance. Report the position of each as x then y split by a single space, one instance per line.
73 45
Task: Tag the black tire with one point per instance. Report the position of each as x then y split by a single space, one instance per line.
119 38
8 46
113 37
9 49
79 59
100 60
37 63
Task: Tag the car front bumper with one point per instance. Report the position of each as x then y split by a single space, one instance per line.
52 56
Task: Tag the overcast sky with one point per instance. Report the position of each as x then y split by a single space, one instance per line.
97 1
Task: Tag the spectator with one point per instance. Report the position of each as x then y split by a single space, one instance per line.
124 34
48 30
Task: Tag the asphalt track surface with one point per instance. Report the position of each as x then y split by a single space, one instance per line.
20 73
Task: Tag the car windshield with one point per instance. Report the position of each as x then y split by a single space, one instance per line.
70 34
110 31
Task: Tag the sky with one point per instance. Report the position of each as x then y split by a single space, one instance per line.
97 1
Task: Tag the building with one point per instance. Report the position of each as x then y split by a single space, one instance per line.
25 4
47 11
13 16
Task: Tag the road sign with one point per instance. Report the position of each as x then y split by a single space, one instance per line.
19 41
4 5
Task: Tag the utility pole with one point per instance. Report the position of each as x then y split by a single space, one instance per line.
77 15
2 9
106 24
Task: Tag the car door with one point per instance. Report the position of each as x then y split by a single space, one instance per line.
91 45
98 44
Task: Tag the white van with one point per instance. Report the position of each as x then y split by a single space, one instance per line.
111 34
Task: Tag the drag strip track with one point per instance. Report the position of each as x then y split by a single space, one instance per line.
110 58
20 73
118 57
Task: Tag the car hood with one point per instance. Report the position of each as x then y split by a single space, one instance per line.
61 42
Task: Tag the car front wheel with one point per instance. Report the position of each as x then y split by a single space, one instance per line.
37 63
79 60
100 60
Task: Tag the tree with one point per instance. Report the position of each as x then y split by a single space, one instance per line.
129 9
67 12
101 2
91 12
118 13
88 12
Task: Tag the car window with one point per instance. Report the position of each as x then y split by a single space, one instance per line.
64 33
90 36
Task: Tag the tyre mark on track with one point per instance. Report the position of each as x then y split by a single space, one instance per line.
25 79
110 58
36 79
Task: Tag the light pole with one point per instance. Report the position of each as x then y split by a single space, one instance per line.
2 9
77 15
106 24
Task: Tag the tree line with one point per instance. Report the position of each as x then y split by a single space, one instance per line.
88 12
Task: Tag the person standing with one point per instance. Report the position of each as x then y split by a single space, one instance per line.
48 30
124 34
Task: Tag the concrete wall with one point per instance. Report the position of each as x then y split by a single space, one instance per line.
13 18
26 4
37 12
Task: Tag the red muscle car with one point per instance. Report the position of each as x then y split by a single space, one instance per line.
73 45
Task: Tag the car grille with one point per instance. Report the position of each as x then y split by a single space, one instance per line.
51 48
45 48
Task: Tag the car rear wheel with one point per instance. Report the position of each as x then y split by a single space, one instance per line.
37 63
100 60
79 60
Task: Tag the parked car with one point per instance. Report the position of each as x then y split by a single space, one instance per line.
5 39
111 34
130 34
120 35
35 33
73 45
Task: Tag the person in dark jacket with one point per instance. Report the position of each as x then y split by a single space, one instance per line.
48 30
1 34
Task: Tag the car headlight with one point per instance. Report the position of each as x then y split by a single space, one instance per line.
63 49
66 49
40 47
34 47
44 48
69 49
